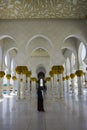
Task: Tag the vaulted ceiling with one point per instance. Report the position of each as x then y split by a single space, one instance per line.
20 9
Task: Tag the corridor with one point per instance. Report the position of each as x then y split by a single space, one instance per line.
43 53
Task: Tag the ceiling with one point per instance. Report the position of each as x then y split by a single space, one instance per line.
23 9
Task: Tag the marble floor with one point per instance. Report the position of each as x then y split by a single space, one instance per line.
69 113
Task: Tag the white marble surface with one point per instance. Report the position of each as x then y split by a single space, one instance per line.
69 113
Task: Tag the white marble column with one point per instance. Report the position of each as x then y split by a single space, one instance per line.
28 85
80 85
72 75
14 82
49 89
68 73
55 87
1 67
8 72
8 86
24 86
79 74
34 88
61 86
13 65
18 90
58 88
73 84
21 89
52 82
64 78
86 80
67 85
13 86
64 86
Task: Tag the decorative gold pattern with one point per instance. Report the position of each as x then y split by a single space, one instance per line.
33 79
2 73
19 9
57 69
8 76
21 69
51 73
64 78
67 77
79 73
28 74
14 78
72 75
48 78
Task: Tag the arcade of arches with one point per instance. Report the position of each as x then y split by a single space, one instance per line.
51 53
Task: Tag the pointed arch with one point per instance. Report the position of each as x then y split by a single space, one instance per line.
39 36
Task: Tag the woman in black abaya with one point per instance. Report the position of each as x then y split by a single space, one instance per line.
40 106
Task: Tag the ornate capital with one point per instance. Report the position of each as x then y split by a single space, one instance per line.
58 69
28 74
21 69
14 77
8 76
72 75
67 77
2 73
79 73
33 79
51 73
48 78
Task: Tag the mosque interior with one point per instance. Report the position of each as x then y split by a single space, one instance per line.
43 43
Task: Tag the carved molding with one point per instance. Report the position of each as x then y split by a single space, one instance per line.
19 9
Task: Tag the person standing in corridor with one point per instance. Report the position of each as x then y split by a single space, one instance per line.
40 106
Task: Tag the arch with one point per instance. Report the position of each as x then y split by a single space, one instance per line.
37 36
12 45
16 49
66 48
75 36
41 71
8 45
7 53
39 41
41 75
7 36
40 68
79 37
